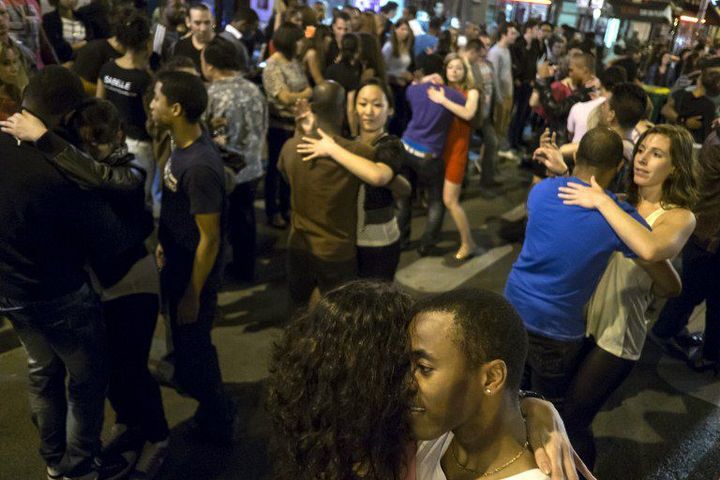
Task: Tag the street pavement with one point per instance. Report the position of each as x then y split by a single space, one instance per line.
663 423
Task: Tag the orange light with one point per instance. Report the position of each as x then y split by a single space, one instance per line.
687 18
537 2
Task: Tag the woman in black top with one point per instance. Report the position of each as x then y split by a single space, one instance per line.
67 30
124 81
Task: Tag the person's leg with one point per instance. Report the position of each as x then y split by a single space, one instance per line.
46 381
711 347
676 313
598 376
378 263
404 205
489 158
197 369
432 177
300 276
333 274
276 139
522 113
451 200
133 393
243 233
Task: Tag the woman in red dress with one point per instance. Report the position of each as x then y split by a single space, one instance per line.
458 76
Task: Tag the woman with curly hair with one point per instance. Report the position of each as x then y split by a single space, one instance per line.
663 190
341 390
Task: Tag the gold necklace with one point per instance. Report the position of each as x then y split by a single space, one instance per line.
492 472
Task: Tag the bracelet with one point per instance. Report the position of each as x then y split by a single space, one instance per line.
523 394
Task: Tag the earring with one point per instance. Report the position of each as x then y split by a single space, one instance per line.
488 391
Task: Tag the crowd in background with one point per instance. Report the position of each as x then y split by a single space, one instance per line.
137 143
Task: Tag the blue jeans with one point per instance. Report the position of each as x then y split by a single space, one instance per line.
64 336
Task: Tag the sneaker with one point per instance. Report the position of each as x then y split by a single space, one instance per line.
151 460
85 471
53 473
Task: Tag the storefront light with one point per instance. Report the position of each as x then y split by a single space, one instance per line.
689 19
536 2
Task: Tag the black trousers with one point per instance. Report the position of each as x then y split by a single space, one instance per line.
243 231
133 393
277 191
550 366
378 263
700 283
522 114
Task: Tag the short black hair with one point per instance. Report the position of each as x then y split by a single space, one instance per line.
629 102
529 25
55 90
436 23
101 118
556 39
430 63
349 47
389 7
285 39
222 54
600 148
244 14
487 328
612 76
186 89
475 44
198 6
340 15
505 27
177 63
134 31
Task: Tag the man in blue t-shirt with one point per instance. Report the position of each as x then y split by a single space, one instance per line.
565 253
424 139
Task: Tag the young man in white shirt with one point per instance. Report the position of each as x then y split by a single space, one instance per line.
577 123
468 350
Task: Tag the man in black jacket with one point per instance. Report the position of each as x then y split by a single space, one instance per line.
51 228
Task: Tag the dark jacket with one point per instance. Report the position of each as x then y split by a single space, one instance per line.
54 31
122 185
50 227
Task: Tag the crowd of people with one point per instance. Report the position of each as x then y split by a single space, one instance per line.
134 147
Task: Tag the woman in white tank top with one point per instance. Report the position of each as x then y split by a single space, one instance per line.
663 190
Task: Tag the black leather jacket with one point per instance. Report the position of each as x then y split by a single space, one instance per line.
118 174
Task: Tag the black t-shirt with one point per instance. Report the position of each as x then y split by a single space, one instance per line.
92 57
125 88
345 74
186 48
193 184
388 150
688 105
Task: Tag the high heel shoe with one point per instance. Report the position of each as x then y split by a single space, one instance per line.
462 257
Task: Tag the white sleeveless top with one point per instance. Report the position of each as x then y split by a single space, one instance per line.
617 312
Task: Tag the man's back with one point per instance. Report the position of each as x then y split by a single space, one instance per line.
49 226
565 252
324 201
430 121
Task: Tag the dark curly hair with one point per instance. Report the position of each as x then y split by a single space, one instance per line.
340 387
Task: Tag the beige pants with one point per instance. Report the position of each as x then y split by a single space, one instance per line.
501 117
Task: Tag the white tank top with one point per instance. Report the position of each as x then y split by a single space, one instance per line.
617 312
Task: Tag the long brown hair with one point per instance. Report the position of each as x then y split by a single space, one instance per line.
409 42
680 187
